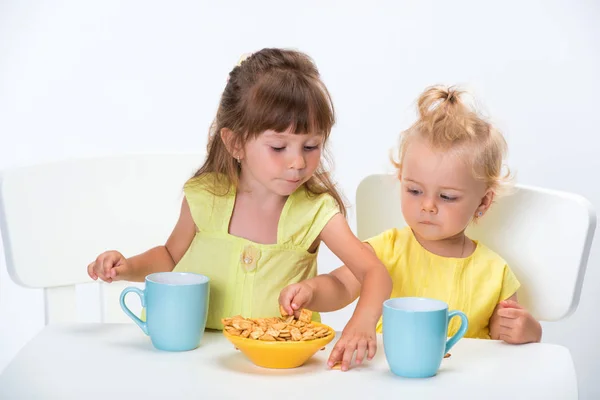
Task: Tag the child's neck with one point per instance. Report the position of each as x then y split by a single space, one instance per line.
256 212
457 246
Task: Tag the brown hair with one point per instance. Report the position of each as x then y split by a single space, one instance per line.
272 89
448 124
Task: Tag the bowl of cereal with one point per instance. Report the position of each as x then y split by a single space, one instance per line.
278 342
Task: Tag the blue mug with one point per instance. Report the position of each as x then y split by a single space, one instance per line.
415 335
176 305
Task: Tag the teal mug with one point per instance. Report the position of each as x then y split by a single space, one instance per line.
415 335
176 305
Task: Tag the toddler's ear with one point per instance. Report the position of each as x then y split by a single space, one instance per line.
485 204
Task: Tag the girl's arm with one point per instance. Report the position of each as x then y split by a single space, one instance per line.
512 323
332 291
164 258
372 278
364 273
111 265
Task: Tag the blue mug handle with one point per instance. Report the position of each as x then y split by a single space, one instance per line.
143 325
464 325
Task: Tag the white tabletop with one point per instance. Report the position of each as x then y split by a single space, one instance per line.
109 361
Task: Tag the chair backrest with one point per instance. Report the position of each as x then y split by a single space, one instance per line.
544 235
56 218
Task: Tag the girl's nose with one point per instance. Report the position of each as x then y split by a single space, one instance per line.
298 162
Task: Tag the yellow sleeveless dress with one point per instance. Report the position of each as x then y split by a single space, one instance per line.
246 277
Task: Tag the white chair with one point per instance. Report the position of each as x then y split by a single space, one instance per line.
544 235
56 218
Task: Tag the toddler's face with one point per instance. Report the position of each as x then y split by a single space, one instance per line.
440 196
282 161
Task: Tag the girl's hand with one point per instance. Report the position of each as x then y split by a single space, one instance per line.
516 324
358 335
109 266
295 297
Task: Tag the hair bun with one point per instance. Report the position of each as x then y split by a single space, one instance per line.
451 95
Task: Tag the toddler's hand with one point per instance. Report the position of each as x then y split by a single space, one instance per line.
295 297
517 325
109 266
358 335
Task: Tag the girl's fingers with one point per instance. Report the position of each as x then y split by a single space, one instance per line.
336 353
372 349
348 353
361 350
91 272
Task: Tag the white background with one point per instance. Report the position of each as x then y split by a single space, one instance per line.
80 79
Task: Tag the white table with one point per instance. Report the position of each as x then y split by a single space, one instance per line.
110 361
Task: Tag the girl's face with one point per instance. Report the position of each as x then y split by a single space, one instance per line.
440 196
282 161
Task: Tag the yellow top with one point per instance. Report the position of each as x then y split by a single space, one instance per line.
473 285
246 277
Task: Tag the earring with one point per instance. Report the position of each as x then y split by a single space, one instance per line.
238 159
480 213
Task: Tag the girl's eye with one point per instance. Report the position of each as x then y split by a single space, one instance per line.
278 149
447 198
310 148
414 192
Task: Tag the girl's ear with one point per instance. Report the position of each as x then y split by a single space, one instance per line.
485 204
228 138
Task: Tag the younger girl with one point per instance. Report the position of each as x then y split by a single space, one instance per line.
450 169
254 214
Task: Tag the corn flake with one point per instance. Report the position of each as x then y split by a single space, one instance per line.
281 329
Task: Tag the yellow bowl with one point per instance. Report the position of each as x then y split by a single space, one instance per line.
280 354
